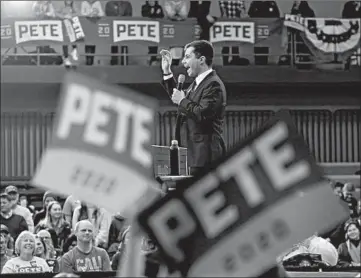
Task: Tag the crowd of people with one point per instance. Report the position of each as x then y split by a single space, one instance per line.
338 247
175 10
80 237
73 237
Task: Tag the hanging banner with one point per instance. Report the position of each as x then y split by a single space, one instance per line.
106 30
101 144
237 219
326 37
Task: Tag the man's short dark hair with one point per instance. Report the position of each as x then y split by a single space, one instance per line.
5 196
202 48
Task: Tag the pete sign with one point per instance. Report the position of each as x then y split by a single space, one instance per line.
42 30
235 220
233 31
130 30
101 145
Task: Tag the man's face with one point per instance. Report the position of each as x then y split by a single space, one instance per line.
5 205
14 198
191 62
84 232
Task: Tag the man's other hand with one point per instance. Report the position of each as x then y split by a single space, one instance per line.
166 61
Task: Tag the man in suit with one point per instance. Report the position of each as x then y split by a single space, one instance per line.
201 108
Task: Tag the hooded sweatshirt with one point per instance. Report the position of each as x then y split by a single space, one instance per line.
41 214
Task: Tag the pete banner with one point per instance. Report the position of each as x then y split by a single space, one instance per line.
326 37
236 220
105 30
101 145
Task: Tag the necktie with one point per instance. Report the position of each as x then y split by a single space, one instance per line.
191 90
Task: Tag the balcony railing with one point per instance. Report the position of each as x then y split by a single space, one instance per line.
137 41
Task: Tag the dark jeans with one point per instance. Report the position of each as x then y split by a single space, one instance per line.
66 50
91 50
123 51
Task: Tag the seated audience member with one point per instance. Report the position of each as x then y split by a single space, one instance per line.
85 256
47 198
41 252
233 10
44 9
71 203
175 10
100 219
54 220
13 193
352 9
118 8
263 9
3 251
91 9
349 251
117 227
69 11
26 262
69 243
302 8
15 223
200 11
152 9
46 237
4 231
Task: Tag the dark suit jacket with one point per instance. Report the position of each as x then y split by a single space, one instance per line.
200 120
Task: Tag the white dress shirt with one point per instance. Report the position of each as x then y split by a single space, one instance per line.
198 80
89 9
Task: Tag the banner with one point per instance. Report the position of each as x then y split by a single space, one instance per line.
106 30
235 220
101 145
242 31
327 36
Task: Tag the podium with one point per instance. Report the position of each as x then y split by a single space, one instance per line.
161 160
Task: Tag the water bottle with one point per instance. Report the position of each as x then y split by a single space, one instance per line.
174 158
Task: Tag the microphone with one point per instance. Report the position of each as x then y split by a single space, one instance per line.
181 79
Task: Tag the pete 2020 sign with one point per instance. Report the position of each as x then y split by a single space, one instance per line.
101 146
235 220
234 31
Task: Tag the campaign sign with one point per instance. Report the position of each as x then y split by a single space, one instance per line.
74 29
40 30
257 202
131 30
101 145
236 31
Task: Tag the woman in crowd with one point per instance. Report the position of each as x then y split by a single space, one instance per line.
47 198
349 251
3 249
99 217
41 252
26 262
50 250
54 220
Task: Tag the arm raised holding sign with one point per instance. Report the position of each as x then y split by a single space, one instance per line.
201 107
